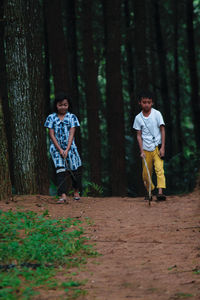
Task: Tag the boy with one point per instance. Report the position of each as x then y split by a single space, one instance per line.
151 140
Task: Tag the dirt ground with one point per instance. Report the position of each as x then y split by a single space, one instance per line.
148 252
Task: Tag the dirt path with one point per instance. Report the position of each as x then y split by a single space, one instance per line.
148 253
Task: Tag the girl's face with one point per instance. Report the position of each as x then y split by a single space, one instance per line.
62 106
146 104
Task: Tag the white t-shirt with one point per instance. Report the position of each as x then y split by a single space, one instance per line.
150 127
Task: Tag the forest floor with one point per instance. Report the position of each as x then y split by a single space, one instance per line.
147 252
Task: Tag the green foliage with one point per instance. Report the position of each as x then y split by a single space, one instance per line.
92 189
182 296
181 172
32 249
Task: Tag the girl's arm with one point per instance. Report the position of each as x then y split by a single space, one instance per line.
139 139
70 140
162 149
54 140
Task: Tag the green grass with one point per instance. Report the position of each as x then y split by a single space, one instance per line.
33 248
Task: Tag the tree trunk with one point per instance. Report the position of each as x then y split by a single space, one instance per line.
141 73
72 52
195 99
5 186
35 36
164 82
57 46
72 60
92 97
24 94
4 92
142 81
129 51
115 112
176 78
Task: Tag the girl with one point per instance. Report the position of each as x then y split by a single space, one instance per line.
62 125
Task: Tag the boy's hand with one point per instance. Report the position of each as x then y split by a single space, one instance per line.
142 154
162 152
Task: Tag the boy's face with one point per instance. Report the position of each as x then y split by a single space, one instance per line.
146 104
62 106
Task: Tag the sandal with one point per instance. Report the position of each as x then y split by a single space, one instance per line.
160 197
77 198
61 201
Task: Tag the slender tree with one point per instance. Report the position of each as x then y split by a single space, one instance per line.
141 73
161 52
4 91
5 187
72 57
142 81
194 82
115 111
91 90
57 46
71 44
175 5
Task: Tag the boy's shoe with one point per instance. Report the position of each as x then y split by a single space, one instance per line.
146 197
160 197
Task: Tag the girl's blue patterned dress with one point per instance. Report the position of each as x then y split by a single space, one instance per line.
61 131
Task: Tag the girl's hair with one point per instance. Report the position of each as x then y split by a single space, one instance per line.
144 94
60 97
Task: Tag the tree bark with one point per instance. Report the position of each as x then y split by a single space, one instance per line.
4 92
142 81
5 186
175 5
141 74
195 99
115 112
57 46
91 91
35 36
163 78
24 96
72 51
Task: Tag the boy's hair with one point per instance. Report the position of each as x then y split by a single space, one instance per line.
60 97
144 94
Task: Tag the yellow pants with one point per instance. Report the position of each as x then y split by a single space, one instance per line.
153 159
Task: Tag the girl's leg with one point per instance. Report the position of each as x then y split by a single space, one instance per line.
149 160
76 182
61 183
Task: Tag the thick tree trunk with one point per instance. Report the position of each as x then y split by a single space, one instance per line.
35 36
5 186
91 91
115 112
195 99
57 46
24 96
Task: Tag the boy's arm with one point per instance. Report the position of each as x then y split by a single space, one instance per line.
162 149
139 139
